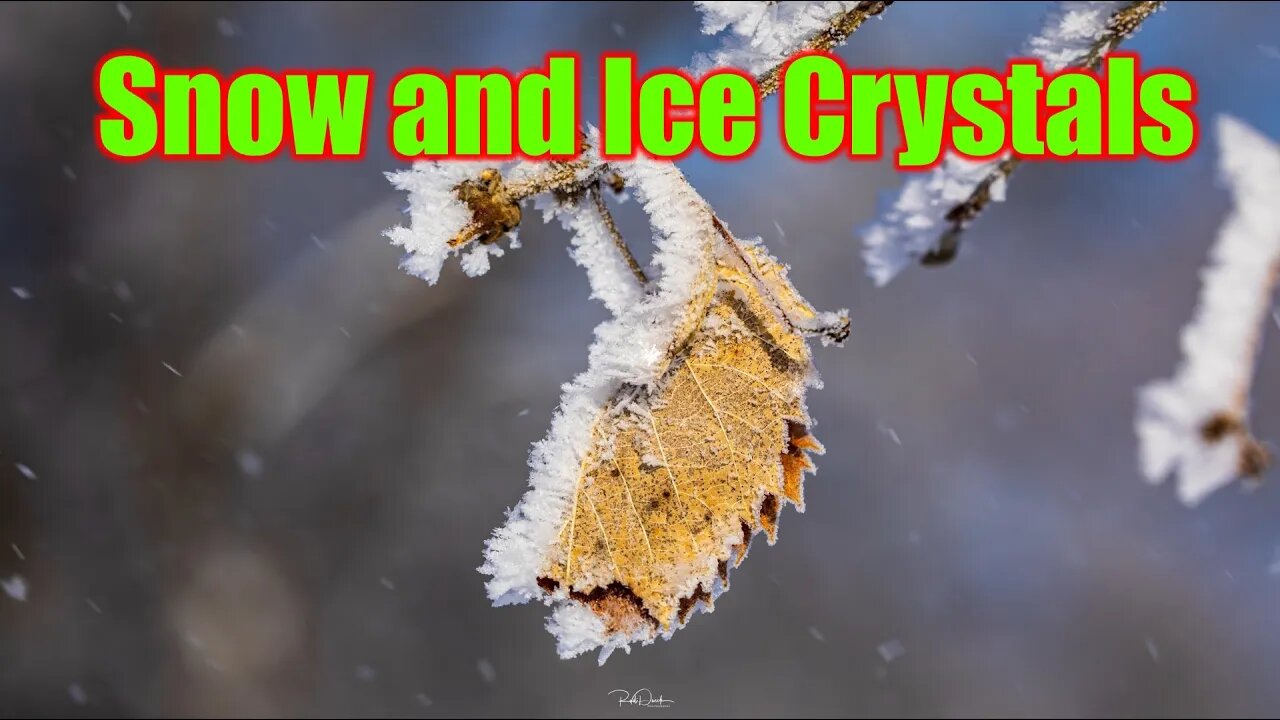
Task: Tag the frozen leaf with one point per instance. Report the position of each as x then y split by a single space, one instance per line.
685 437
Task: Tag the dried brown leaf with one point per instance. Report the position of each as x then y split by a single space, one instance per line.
680 477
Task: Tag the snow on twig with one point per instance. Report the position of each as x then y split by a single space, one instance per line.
923 223
1195 425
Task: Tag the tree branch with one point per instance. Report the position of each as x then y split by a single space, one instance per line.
841 27
579 175
1123 23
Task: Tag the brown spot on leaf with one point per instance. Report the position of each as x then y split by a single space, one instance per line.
688 604
618 606
769 507
740 550
795 461
548 585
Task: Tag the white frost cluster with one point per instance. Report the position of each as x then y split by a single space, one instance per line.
630 348
436 214
909 226
763 33
1070 32
1220 344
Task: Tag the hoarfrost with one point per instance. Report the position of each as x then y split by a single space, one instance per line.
1220 344
911 224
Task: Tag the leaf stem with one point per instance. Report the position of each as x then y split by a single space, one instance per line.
598 199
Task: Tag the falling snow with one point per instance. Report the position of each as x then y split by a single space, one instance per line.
891 650
15 587
249 461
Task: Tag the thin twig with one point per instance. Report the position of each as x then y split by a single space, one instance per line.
1254 457
618 242
841 27
568 179
1240 399
576 176
1123 23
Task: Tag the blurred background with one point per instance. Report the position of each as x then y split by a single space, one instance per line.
247 466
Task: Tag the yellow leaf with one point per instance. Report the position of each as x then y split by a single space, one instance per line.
679 476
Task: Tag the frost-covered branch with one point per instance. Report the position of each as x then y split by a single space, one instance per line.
613 272
1196 424
925 221
467 208
765 34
